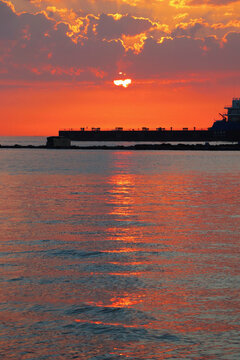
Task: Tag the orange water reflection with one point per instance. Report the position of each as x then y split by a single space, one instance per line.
124 259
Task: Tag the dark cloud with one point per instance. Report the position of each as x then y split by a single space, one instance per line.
36 47
192 29
198 28
9 24
186 55
110 28
231 51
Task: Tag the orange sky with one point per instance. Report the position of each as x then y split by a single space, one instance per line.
58 61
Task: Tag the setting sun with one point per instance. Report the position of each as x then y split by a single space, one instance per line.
125 83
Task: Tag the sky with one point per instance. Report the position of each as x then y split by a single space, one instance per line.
59 60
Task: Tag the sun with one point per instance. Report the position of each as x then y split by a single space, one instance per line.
122 80
125 83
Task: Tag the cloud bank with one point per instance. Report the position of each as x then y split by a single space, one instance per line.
59 45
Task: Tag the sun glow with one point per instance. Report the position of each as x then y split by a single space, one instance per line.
125 83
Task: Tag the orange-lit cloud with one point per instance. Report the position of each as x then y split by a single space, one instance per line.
36 46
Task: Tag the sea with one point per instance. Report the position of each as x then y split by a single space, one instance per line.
119 255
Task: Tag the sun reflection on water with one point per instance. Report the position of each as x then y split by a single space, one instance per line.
142 263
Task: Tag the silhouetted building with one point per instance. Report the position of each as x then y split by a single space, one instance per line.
58 142
231 120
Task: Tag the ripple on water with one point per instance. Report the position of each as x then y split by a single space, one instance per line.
119 255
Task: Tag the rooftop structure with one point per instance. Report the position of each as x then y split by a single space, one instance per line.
231 120
233 112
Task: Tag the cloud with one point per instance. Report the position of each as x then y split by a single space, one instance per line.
193 28
96 7
185 55
211 2
9 24
36 47
200 28
113 27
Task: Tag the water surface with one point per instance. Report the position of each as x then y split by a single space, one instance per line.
119 255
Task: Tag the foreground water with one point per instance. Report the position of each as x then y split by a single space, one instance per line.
119 255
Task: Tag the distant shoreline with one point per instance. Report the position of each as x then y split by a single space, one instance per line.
164 146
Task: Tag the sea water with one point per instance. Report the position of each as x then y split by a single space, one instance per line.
119 255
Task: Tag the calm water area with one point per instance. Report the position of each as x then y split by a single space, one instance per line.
119 255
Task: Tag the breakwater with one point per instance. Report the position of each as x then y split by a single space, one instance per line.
159 135
163 146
